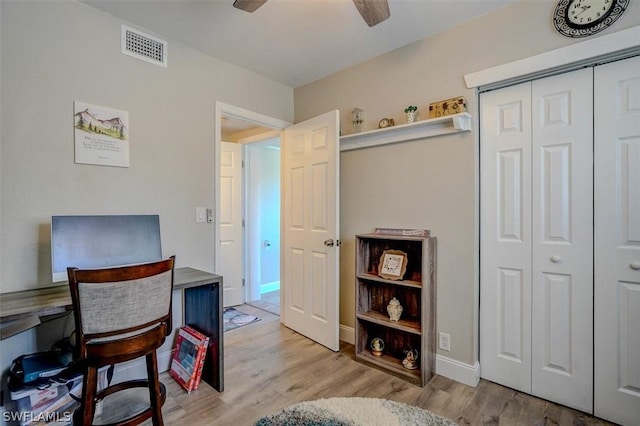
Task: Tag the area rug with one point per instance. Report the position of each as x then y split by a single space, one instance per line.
233 319
353 412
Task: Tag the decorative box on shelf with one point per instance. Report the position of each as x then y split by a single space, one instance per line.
447 107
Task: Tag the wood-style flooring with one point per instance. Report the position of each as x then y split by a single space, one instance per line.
269 302
268 366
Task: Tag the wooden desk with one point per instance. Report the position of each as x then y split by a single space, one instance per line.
202 309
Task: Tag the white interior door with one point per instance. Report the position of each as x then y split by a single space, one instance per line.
505 245
310 221
617 241
230 259
562 255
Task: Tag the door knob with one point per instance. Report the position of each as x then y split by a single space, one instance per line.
555 259
329 243
635 266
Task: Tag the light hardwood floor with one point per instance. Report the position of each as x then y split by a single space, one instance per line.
268 366
269 302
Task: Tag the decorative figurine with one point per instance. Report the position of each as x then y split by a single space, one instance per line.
410 361
357 120
377 346
394 309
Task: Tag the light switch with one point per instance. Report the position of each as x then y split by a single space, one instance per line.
201 214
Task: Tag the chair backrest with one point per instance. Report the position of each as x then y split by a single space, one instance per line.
120 302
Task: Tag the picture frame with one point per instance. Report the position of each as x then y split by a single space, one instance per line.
392 265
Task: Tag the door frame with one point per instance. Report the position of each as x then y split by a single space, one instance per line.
223 109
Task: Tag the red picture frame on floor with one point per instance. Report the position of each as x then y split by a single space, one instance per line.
187 360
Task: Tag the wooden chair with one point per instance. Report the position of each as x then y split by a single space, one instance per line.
121 314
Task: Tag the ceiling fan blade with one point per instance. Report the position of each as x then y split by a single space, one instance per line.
373 11
248 5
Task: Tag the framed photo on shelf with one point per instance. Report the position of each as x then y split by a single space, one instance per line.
393 265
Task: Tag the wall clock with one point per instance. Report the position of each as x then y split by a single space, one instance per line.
582 18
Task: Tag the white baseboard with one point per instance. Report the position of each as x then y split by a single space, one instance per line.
348 334
458 371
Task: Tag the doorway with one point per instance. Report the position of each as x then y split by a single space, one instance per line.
248 196
262 213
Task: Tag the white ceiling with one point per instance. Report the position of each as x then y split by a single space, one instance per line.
293 42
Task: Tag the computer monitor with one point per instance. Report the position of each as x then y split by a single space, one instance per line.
91 242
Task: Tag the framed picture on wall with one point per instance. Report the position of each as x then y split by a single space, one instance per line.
393 264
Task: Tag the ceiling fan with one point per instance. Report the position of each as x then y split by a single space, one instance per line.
373 11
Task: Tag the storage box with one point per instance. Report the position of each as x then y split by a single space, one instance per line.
46 405
52 403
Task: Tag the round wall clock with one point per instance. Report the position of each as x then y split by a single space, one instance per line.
582 18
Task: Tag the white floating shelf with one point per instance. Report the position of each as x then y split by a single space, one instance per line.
455 123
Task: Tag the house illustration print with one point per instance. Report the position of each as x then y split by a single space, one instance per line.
101 135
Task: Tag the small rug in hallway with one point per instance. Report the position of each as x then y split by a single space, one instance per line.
353 412
234 319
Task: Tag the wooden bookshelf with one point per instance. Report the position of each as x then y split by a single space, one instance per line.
416 292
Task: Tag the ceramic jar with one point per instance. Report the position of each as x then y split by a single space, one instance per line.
394 309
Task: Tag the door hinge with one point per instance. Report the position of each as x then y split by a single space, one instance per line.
243 282
243 223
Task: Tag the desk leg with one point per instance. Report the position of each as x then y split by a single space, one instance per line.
203 311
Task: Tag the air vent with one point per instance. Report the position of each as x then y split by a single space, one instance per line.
144 46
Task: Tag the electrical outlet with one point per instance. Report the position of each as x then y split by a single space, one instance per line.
444 341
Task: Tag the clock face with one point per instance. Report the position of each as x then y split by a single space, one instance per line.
582 18
584 13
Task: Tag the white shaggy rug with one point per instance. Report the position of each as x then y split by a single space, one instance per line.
353 412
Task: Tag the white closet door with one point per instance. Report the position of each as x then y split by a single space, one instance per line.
505 209
617 241
562 255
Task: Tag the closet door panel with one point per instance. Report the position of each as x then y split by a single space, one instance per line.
617 241
505 310
562 236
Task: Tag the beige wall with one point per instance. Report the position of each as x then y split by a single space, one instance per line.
431 183
58 52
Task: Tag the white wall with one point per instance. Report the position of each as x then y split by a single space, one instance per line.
431 183
56 52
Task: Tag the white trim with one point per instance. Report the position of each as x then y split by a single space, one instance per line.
590 49
454 123
273 134
347 334
458 371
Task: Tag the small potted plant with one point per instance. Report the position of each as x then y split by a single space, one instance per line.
411 111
